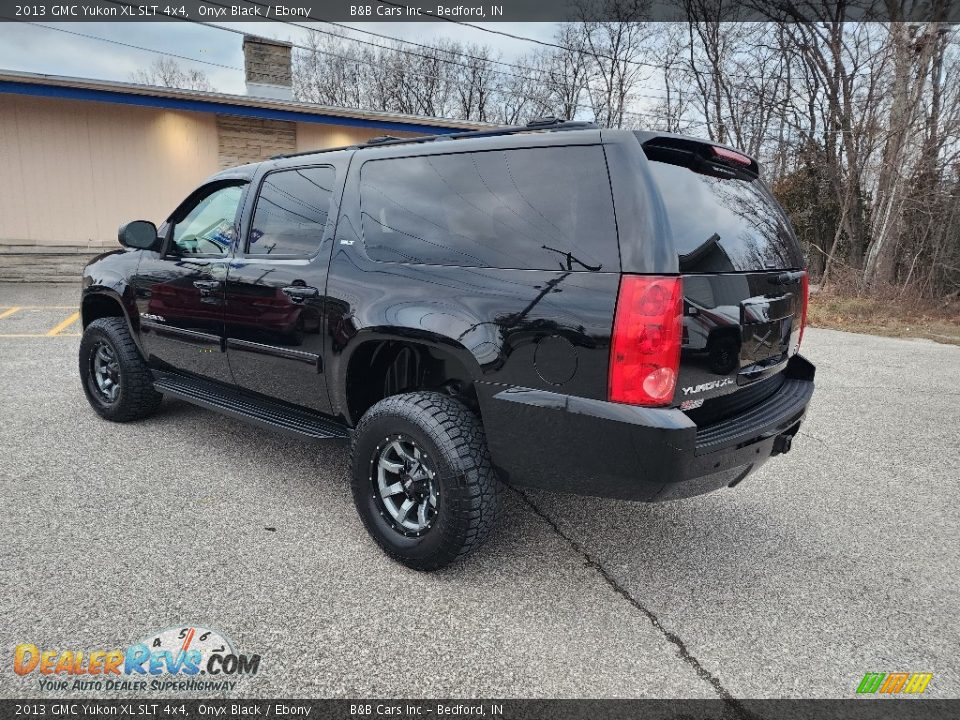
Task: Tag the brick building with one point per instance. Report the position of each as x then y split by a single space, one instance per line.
80 156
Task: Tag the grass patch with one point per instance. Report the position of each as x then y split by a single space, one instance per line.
892 317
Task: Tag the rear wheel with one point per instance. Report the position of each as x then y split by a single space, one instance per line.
116 380
423 483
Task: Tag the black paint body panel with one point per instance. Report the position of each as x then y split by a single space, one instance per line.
591 447
532 344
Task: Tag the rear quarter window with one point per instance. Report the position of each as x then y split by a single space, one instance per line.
537 208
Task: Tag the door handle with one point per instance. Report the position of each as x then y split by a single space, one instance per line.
299 293
207 284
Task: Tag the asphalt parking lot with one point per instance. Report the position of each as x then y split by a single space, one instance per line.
840 558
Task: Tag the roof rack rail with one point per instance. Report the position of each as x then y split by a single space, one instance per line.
548 123
381 139
545 123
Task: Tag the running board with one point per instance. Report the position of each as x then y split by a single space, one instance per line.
262 412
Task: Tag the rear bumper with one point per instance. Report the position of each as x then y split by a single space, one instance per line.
592 447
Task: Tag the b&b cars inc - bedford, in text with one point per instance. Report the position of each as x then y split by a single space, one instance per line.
461 11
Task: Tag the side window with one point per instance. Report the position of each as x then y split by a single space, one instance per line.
537 208
291 212
209 228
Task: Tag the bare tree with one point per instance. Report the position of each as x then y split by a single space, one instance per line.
166 72
566 72
667 51
328 73
857 125
615 46
915 50
476 83
845 61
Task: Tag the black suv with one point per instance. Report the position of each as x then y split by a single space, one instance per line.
601 312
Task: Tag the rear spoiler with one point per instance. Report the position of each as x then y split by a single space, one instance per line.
698 155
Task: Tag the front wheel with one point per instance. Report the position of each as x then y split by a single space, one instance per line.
116 380
423 482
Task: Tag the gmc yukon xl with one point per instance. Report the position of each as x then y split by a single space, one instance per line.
602 312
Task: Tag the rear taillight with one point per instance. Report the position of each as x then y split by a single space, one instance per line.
805 289
645 347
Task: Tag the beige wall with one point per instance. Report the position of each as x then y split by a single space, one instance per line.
72 171
313 136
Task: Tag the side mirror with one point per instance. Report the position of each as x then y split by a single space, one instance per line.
140 235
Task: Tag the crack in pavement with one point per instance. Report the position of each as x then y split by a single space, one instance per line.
683 651
829 446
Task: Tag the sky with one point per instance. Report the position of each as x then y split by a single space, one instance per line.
31 48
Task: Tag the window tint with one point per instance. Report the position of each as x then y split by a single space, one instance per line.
210 227
540 208
291 212
722 222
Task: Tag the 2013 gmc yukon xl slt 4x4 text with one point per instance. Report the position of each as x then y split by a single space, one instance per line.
602 312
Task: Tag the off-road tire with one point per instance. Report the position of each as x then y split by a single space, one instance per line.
137 399
469 491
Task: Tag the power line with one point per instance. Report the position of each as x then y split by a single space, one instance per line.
579 106
422 45
126 45
662 97
354 60
639 114
307 48
440 51
545 43
491 31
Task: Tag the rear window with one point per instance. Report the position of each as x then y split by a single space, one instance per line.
722 218
538 208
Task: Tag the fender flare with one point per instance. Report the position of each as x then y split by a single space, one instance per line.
123 298
340 363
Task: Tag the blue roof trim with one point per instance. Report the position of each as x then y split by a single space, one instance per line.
210 106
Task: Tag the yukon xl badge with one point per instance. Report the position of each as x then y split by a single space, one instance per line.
703 387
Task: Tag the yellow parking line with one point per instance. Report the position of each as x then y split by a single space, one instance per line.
39 307
56 330
8 312
36 335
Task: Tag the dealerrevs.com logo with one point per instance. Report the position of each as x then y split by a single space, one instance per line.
190 658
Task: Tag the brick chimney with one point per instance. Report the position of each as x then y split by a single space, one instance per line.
268 68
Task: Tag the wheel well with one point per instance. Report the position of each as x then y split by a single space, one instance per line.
382 368
99 306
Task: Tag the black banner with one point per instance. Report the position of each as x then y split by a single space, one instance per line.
173 709
477 11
